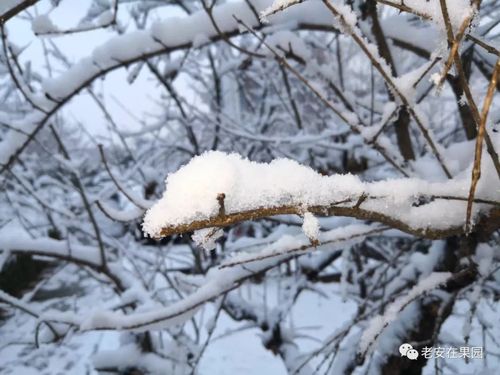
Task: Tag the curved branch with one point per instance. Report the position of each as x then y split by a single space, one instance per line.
215 285
332 210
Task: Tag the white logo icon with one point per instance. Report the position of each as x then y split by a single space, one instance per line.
407 350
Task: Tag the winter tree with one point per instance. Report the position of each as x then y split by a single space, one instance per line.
249 186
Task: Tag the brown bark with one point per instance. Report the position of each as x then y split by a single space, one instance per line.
402 123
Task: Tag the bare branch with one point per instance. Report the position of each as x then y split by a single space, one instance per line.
476 171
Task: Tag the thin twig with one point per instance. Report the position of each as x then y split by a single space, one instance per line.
349 30
339 112
454 57
404 8
476 171
116 182
81 190
454 41
483 44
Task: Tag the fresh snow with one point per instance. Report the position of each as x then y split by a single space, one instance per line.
191 192
311 226
276 6
207 238
217 282
458 10
42 24
17 242
157 286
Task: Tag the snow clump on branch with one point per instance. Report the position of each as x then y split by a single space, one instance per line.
284 186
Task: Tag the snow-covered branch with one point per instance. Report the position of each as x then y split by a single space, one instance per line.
164 37
64 250
257 190
227 277
323 203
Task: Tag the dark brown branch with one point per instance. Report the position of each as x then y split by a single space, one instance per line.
404 8
483 44
11 12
